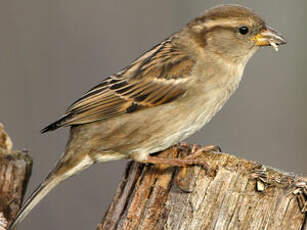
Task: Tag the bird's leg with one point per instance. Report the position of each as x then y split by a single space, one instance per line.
190 160
184 144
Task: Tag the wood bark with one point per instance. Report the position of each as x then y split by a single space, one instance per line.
15 170
240 194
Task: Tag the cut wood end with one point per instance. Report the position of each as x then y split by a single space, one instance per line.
15 171
5 141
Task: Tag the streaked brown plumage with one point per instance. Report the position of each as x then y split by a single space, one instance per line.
163 97
155 78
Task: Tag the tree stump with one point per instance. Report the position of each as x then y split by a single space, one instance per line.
15 171
240 194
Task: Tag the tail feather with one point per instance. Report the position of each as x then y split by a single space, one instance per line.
63 170
42 190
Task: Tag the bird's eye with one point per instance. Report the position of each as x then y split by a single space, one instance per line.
243 30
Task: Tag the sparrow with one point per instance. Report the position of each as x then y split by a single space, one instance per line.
160 99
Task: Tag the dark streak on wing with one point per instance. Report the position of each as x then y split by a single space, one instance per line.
132 108
156 78
142 97
119 85
125 89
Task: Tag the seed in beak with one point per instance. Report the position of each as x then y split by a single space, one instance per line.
274 45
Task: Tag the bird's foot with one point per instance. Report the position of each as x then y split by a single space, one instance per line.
196 155
193 159
197 151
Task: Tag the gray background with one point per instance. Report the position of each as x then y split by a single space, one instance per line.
53 51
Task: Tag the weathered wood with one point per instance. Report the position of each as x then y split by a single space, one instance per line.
240 195
15 170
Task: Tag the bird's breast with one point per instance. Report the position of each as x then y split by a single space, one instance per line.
211 94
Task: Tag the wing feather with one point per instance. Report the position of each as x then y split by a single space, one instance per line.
156 78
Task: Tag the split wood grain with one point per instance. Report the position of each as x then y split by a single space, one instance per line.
240 194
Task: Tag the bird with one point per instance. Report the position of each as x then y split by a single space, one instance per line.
164 96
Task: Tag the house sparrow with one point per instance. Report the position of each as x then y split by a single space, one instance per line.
163 97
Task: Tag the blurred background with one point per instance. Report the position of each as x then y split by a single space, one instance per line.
51 52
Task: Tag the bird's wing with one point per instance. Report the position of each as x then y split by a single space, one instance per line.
156 78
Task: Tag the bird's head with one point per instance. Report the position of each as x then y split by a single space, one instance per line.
233 32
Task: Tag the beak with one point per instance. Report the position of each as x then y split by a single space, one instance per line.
269 37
